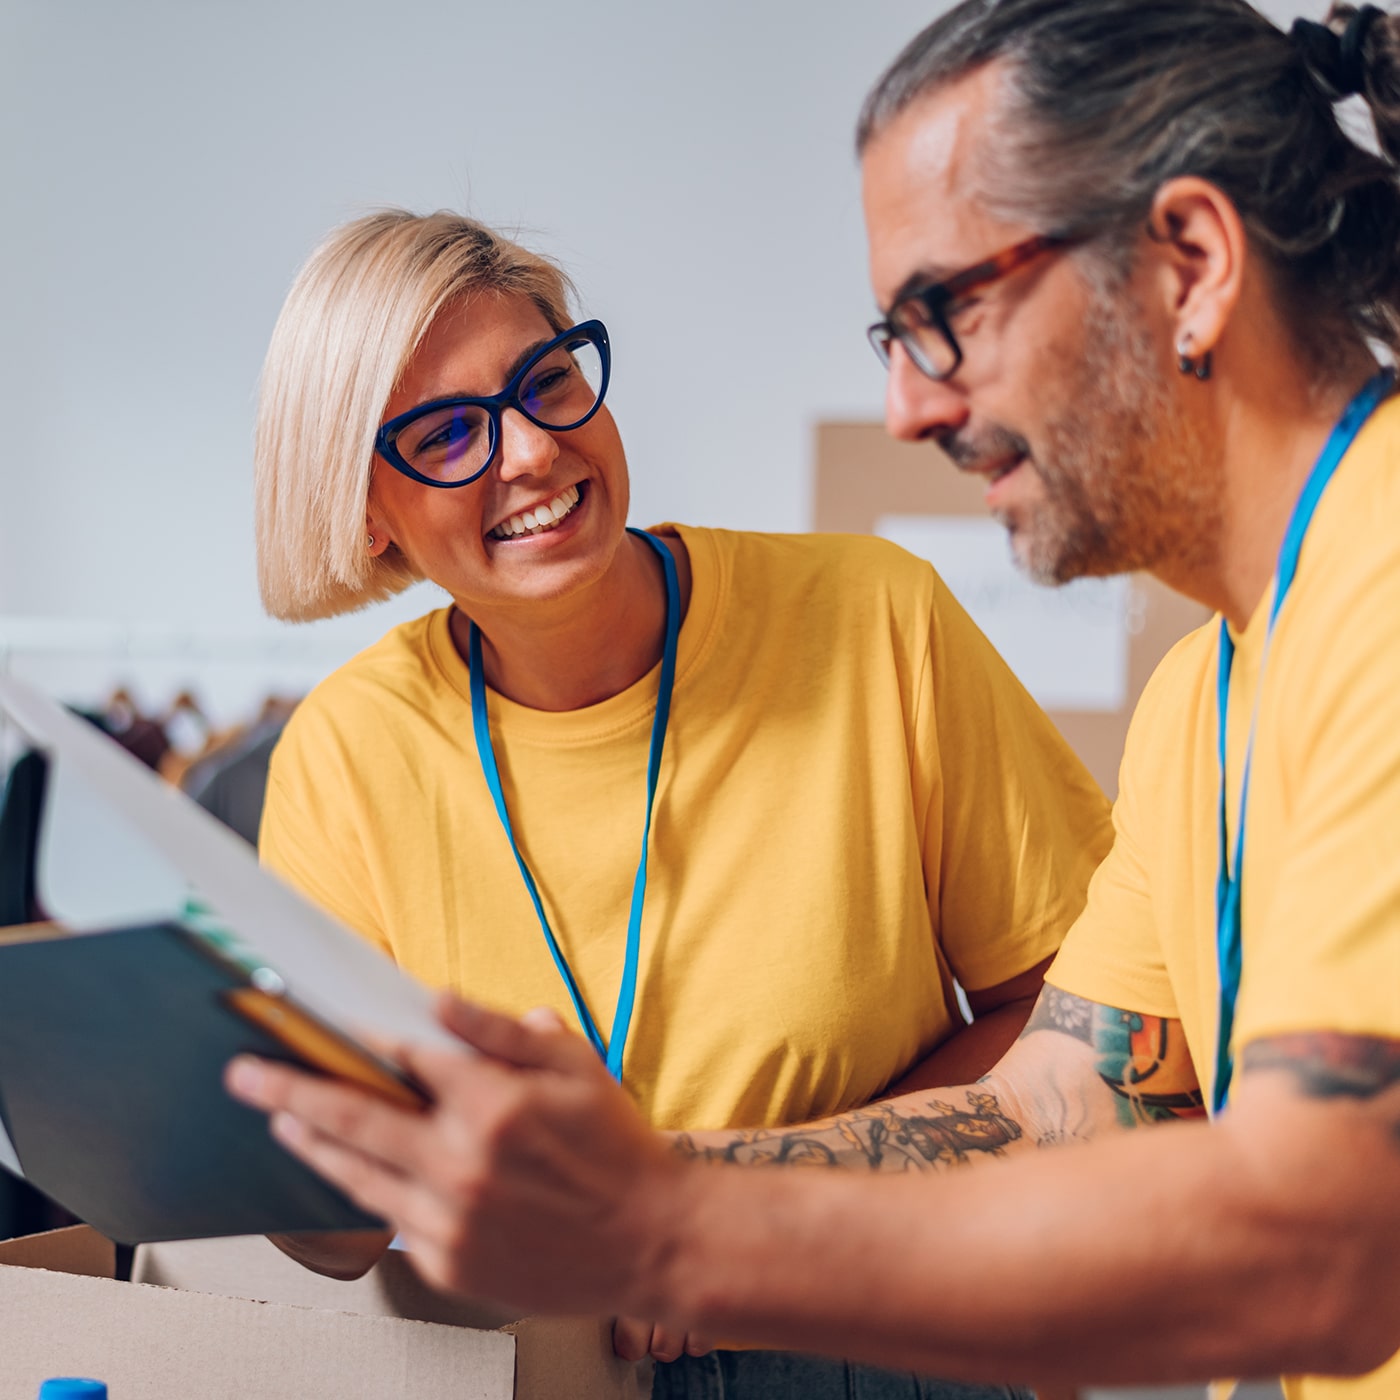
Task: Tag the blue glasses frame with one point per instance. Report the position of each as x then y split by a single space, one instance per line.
385 441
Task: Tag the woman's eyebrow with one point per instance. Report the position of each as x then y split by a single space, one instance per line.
527 354
514 368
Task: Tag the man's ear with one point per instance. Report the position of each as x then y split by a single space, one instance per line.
1201 249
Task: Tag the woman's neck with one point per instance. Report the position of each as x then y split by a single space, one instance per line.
589 647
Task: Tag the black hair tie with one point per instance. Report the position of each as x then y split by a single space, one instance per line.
1336 58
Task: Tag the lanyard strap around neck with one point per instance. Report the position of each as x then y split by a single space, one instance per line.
1229 942
613 1048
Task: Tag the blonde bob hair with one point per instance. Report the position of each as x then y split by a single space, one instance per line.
356 313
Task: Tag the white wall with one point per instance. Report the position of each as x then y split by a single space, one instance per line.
166 164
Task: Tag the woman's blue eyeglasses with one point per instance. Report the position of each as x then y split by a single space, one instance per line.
451 442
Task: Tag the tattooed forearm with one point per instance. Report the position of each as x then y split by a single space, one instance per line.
882 1137
1140 1063
1136 1070
1055 1010
1329 1065
1142 1059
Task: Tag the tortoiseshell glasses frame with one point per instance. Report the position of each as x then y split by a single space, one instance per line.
919 320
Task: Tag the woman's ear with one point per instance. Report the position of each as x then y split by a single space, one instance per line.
1201 248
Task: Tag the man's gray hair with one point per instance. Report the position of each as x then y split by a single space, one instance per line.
1105 100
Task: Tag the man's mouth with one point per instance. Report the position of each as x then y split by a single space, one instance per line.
1004 469
991 453
540 520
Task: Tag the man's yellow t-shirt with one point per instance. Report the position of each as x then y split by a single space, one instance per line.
1321 894
857 804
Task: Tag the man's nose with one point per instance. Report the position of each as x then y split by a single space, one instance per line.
917 407
526 449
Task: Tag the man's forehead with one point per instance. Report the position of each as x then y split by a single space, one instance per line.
921 178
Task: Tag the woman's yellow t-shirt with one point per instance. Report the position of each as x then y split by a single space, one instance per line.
858 803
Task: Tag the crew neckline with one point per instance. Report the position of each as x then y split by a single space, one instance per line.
1246 637
628 709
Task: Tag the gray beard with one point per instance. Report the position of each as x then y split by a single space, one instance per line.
1126 475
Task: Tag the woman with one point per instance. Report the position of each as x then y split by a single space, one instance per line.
743 807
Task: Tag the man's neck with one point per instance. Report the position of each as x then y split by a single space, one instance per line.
1270 439
587 648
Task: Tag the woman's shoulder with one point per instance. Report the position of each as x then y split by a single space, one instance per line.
777 594
363 728
867 564
397 675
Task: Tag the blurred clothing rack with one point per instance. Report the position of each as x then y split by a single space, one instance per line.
43 636
83 661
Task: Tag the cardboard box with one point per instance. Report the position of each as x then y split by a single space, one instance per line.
863 475
236 1320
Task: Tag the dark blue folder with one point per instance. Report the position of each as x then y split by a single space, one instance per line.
112 1048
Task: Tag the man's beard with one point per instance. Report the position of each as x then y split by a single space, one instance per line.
1123 473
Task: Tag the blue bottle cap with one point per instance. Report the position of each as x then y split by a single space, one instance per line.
71 1388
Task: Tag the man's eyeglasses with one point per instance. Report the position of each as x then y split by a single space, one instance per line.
919 321
450 442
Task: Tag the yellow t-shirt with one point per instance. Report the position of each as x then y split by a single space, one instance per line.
1321 898
857 804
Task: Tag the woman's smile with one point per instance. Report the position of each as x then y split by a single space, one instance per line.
545 518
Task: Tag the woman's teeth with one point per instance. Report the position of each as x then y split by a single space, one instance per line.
541 519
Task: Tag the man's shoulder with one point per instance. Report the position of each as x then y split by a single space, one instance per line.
1187 662
1171 700
1351 555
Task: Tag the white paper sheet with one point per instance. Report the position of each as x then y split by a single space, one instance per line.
95 870
328 968
1068 645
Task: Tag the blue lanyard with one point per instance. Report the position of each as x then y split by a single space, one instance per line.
1229 880
611 1050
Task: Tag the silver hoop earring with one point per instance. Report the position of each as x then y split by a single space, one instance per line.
371 541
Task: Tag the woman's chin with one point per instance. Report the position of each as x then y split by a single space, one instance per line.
554 564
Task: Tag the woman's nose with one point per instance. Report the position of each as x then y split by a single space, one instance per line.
526 449
917 407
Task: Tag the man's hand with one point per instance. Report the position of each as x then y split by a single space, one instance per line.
504 1167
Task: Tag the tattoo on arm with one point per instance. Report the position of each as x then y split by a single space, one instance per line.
880 1137
1142 1059
1328 1064
1333 1065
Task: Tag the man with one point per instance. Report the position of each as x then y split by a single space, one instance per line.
1135 276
